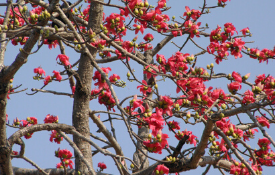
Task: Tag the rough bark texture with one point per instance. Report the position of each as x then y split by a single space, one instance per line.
82 93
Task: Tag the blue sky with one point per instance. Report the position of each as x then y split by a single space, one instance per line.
257 15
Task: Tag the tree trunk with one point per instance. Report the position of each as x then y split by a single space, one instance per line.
83 91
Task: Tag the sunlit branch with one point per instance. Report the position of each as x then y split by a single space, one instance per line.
53 92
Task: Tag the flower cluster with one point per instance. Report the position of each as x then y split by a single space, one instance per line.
103 92
65 157
25 123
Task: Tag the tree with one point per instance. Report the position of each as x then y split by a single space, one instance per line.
229 113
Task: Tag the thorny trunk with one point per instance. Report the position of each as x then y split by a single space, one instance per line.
83 91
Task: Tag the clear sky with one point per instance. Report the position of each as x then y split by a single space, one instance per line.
257 15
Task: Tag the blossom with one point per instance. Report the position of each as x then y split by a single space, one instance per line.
65 154
191 138
57 75
51 119
32 120
230 28
245 31
55 136
264 144
106 98
155 121
102 84
114 78
51 43
144 88
101 165
64 59
249 134
161 169
149 72
249 97
138 28
68 162
263 121
194 14
39 71
161 59
238 45
221 146
47 79
173 125
237 77
166 104
148 37
137 103
234 87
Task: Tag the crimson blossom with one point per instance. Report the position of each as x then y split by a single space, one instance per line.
138 88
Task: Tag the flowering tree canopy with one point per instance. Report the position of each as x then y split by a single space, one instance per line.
146 108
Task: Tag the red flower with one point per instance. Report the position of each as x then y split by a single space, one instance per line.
102 166
234 87
32 120
106 98
148 71
161 59
245 31
237 77
249 97
191 139
57 75
173 125
166 104
155 121
39 71
138 28
101 82
264 144
229 28
55 136
51 44
137 103
65 154
194 14
64 59
238 45
148 37
161 169
67 162
249 134
51 119
144 89
47 79
114 78
263 121
221 146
